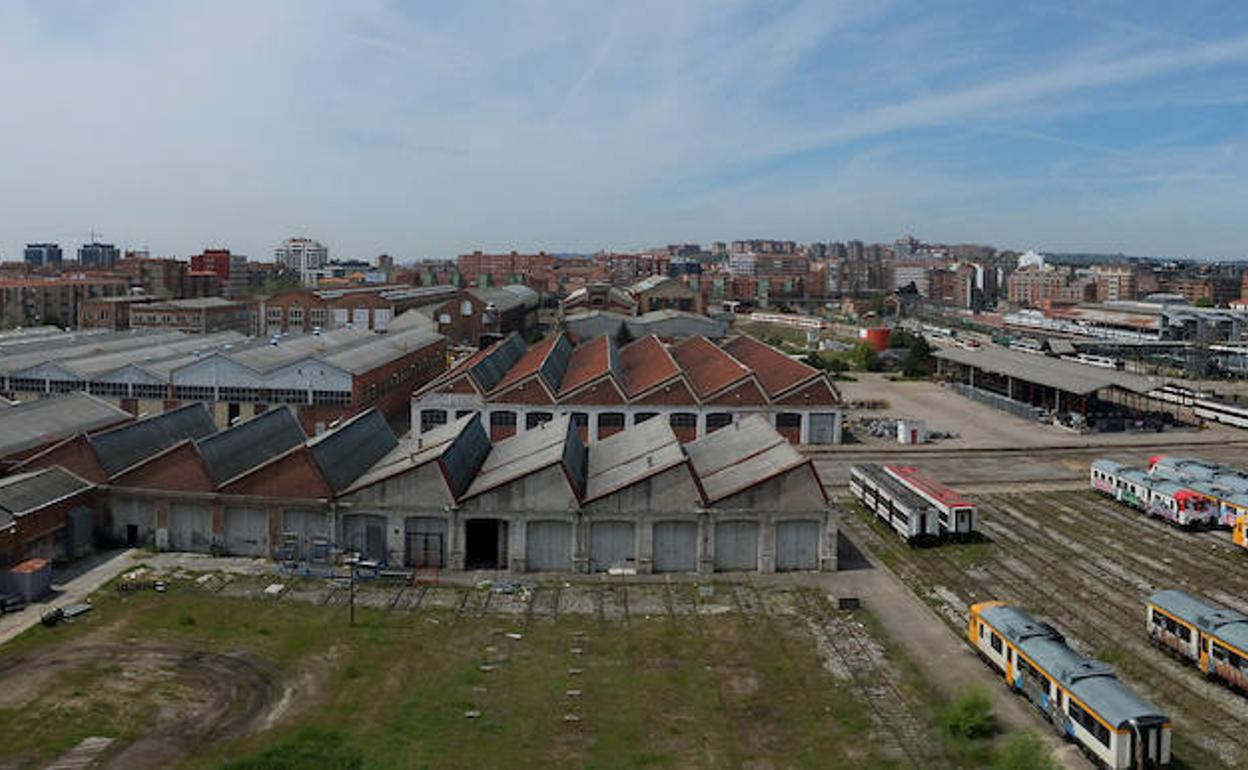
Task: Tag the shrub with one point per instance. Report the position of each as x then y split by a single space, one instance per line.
970 716
1024 751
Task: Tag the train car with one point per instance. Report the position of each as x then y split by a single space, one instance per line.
1221 412
1157 495
956 515
1081 697
1103 476
1214 639
906 513
1175 503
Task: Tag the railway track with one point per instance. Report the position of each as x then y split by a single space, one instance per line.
1107 617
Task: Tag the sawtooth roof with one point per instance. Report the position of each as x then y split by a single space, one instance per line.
346 453
248 445
589 361
645 363
741 455
631 456
26 492
776 371
127 446
708 367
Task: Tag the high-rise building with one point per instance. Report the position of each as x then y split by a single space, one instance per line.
40 254
231 269
101 255
302 255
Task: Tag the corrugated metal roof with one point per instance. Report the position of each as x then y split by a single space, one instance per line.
36 423
742 455
1091 681
266 358
32 355
129 445
461 445
344 454
631 456
371 354
1067 376
26 492
522 454
90 367
507 298
490 369
465 455
556 363
250 444
416 318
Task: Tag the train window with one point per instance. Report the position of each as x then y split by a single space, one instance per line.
981 631
996 642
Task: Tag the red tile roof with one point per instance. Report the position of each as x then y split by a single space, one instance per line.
776 371
530 363
709 368
645 363
588 362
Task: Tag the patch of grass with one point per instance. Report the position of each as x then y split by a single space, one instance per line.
1024 751
969 716
309 747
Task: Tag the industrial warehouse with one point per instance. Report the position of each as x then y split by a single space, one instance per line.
741 498
696 386
325 377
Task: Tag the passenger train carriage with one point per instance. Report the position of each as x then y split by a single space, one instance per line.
1224 485
1161 497
1080 696
1212 638
918 508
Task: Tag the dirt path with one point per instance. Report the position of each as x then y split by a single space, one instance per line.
232 695
945 660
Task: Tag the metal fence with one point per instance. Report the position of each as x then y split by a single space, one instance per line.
1004 403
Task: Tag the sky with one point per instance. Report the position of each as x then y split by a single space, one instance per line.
432 129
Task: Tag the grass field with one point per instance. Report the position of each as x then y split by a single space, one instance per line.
204 679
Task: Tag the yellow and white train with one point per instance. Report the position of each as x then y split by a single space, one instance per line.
1081 697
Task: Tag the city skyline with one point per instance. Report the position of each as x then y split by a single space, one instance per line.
427 132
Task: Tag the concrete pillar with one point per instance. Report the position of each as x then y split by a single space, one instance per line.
766 544
274 515
645 545
455 549
162 525
706 544
580 544
517 544
218 523
396 538
522 421
804 430
827 543
701 423
591 428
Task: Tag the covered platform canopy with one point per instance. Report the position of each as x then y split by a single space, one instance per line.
1051 383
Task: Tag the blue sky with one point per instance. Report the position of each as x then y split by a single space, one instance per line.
427 129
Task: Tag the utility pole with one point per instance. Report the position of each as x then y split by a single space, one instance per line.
351 562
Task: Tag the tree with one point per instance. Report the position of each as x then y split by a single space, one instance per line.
918 362
1204 302
865 357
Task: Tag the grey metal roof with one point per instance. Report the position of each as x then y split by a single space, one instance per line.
1089 680
32 355
465 455
461 445
375 352
129 445
1067 376
26 492
288 350
1226 624
494 366
194 303
741 455
911 501
92 366
1108 466
344 454
416 318
522 454
556 363
631 456
35 423
507 298
232 452
666 323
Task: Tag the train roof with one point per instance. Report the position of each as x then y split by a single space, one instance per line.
898 491
1089 680
928 486
1136 475
1109 466
1226 624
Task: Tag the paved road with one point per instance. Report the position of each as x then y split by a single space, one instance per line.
85 577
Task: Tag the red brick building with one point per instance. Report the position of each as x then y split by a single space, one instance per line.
364 307
533 270
696 385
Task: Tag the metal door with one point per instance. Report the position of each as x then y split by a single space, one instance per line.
366 535
190 527
247 531
425 542
675 546
736 545
797 545
307 527
548 546
612 544
822 428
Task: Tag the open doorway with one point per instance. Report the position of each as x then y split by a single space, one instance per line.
132 535
485 544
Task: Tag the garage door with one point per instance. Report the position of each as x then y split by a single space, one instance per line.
134 521
247 531
675 546
305 528
612 544
190 527
823 428
736 545
425 542
797 545
365 535
548 546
